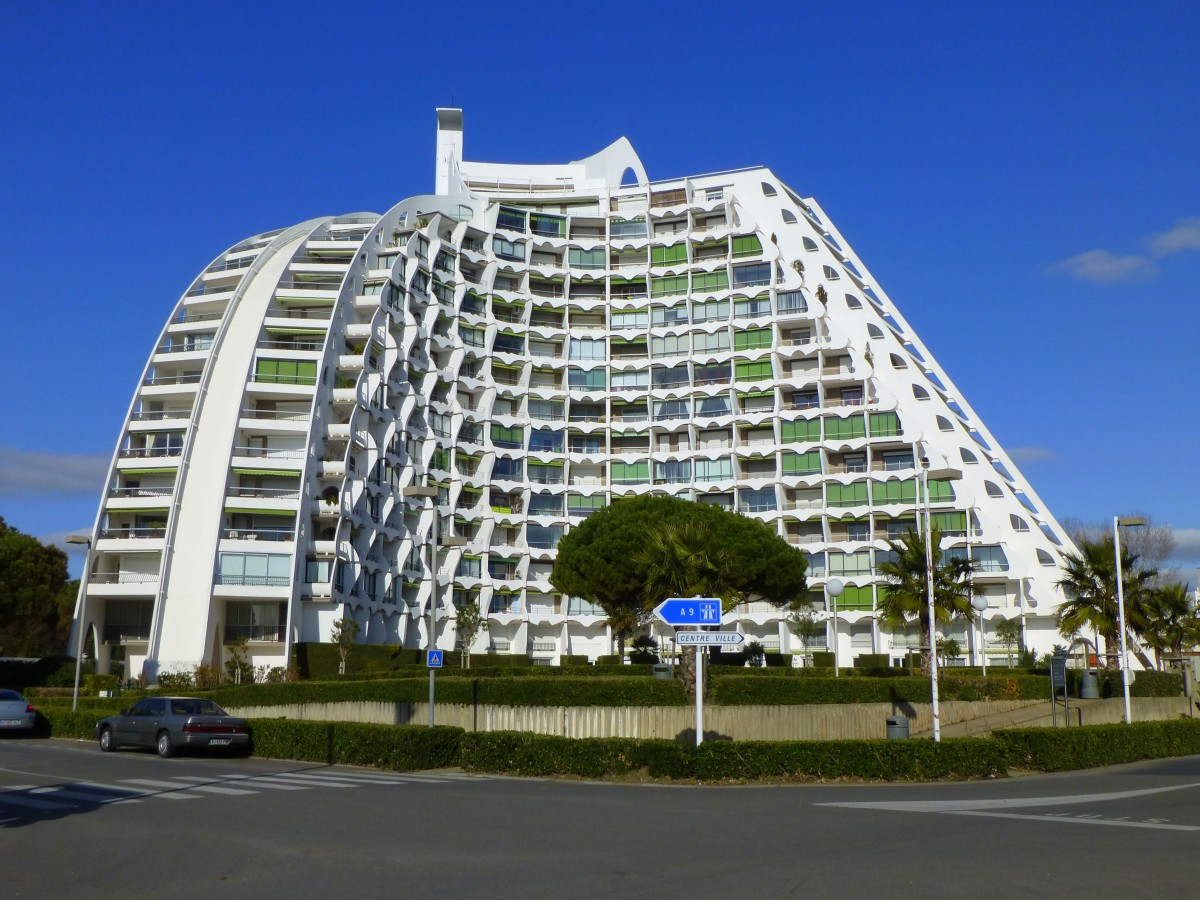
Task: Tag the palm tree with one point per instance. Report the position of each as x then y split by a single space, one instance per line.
1172 622
685 559
1090 584
906 598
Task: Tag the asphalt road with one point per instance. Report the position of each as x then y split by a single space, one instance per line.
78 823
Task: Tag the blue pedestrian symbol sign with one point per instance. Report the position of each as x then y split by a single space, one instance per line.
433 658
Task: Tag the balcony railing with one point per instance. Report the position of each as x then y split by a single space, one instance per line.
173 379
141 491
268 453
145 532
149 452
124 578
258 534
254 580
265 493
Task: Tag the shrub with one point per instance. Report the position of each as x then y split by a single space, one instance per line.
1058 749
872 661
401 748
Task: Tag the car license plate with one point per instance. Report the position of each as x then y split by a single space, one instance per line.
10 722
219 741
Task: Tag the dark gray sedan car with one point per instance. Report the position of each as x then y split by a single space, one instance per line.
169 724
16 713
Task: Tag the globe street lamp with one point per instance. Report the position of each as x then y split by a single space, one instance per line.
1128 522
834 588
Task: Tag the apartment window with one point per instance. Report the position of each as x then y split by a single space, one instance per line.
669 346
513 250
586 259
588 379
802 463
941 491
854 303
714 469
711 281
667 256
629 228
578 505
792 302
671 409
544 537
752 339
469 567
637 379
546 505
317 571
748 309
629 319
545 473
255 569
1017 523
512 219
630 473
716 373
472 337
849 428
673 472
752 275
711 311
708 407
896 492
967 456
944 424
950 523
1044 557
842 495
587 348
850 564
548 226
507 342
285 371
747 245
801 431
668 285
255 621
757 501
830 273
919 392
718 342
546 440
545 409
670 315
993 489
753 370
506 469
509 437
768 190
809 244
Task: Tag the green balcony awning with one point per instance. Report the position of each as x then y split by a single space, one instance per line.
290 513
162 470
290 473
288 329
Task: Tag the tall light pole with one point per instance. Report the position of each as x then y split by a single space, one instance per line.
430 493
941 474
1128 522
80 609
834 588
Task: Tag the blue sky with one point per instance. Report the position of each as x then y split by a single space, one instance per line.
1019 177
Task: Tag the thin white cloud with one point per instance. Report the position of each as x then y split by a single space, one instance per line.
1103 267
1184 236
25 473
1031 454
1187 547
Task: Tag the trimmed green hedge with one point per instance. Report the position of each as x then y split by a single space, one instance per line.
515 753
753 690
1060 749
400 748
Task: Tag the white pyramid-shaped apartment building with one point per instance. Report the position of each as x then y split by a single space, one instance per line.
535 342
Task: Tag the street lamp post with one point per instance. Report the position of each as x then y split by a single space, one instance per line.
941 474
81 608
431 493
1128 522
834 588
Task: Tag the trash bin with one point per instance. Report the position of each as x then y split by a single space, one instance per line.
897 728
661 670
1089 687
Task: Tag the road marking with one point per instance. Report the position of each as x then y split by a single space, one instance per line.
265 781
208 788
1079 820
1013 803
86 797
171 790
324 780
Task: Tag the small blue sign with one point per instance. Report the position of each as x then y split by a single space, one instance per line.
690 611
433 658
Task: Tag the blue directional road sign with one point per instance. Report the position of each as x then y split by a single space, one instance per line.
690 611
433 658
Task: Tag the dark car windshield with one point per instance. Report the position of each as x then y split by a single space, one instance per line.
196 708
10 695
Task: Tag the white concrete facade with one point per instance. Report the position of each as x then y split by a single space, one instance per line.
536 342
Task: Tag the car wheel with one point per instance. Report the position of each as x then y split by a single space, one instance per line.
164 745
107 742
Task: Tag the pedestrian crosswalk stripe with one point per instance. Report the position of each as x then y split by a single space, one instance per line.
265 781
172 790
300 778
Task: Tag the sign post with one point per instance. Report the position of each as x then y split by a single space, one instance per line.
697 611
433 661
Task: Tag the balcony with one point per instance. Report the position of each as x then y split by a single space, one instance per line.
258 534
264 633
143 532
